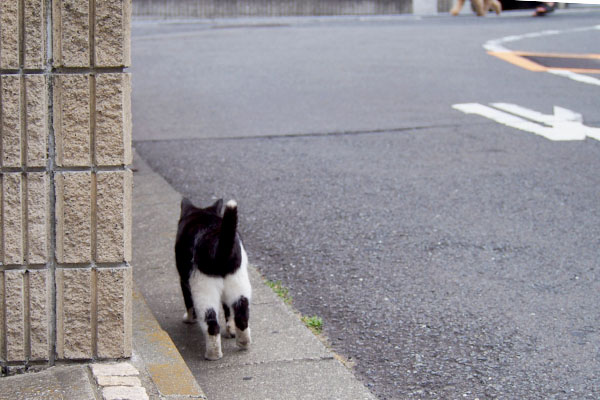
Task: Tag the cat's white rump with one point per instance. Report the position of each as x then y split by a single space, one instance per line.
238 283
206 292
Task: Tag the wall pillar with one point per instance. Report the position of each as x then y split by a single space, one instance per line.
425 7
65 181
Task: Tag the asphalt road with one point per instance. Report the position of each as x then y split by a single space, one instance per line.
449 256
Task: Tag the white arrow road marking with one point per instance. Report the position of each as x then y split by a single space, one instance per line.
576 77
525 112
593 133
513 121
563 125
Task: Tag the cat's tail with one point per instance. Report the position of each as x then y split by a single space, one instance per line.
228 231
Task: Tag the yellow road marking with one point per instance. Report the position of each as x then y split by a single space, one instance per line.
518 58
164 363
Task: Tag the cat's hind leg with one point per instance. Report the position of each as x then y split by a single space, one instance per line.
210 325
206 292
237 325
237 294
190 314
241 311
229 322
184 267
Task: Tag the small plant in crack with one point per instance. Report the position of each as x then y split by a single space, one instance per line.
280 290
314 323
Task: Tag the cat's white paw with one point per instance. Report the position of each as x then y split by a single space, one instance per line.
213 348
213 355
242 339
230 328
189 317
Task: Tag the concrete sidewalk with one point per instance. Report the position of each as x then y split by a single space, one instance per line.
285 361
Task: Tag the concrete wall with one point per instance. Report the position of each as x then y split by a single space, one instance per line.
65 185
245 8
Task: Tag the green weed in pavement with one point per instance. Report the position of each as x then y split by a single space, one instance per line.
280 290
314 323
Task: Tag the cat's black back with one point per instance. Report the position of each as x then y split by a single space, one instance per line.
207 241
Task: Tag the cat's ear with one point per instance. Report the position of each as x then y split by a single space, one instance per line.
217 207
186 205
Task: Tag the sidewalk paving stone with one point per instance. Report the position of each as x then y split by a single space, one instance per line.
54 383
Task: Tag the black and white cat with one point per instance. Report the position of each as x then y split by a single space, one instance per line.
213 269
